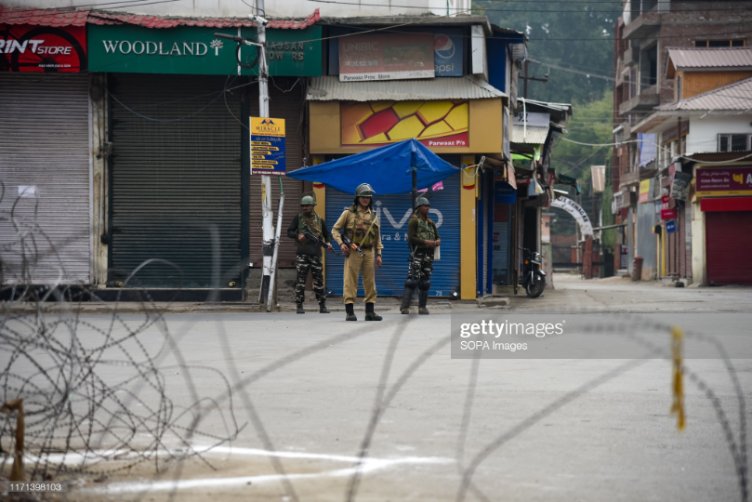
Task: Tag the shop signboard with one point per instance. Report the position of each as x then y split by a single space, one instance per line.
723 182
268 146
433 123
189 50
380 56
42 49
668 214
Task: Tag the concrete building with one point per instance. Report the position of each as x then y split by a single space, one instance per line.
658 232
149 186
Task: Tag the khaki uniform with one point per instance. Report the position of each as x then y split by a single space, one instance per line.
362 228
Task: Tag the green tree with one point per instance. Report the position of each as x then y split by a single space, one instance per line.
570 43
586 142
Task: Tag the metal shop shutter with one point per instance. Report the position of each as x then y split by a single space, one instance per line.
394 212
175 182
287 101
728 242
44 169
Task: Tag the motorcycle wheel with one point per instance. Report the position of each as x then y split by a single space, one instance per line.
535 286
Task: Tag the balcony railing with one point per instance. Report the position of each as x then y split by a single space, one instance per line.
644 26
648 99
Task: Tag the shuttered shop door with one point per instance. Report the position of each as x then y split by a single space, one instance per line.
394 212
44 168
175 182
728 242
286 98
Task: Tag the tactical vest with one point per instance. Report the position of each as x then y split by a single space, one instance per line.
361 222
426 230
311 223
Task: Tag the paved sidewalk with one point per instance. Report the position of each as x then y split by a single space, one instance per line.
570 293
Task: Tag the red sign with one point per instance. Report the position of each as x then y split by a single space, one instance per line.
668 214
724 181
25 48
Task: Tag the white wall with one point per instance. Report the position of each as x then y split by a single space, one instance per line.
703 132
274 8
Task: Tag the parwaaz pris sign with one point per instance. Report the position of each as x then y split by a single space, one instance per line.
25 48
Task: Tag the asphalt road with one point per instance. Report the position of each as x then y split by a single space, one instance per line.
314 408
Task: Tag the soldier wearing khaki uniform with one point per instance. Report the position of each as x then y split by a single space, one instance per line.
358 233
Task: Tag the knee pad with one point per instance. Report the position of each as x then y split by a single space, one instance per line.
425 285
411 283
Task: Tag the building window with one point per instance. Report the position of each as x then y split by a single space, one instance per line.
648 67
734 142
720 43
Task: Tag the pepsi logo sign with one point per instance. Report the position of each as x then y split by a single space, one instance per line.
443 46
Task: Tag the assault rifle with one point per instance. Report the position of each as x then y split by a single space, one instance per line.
313 238
350 244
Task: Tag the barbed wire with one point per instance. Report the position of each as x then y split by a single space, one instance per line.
98 396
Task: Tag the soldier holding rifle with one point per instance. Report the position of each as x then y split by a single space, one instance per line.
358 233
423 238
310 234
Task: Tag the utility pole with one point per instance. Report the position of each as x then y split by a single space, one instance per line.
266 182
526 76
269 242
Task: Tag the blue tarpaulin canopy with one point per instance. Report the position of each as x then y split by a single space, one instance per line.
388 169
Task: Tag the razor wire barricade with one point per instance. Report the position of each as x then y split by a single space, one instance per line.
97 400
81 396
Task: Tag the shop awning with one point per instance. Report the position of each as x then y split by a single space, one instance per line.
529 135
388 169
331 89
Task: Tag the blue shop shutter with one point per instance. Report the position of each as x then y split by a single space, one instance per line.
394 211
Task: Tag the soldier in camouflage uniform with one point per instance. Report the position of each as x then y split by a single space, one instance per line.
310 234
423 238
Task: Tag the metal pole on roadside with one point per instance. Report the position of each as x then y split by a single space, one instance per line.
267 237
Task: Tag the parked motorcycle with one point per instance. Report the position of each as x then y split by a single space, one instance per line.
533 275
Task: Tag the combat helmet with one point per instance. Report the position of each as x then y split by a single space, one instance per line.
364 190
307 200
422 201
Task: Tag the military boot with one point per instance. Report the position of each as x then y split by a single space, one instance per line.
299 309
407 298
370 314
422 301
322 307
349 308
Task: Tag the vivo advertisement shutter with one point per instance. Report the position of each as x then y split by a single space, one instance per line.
394 212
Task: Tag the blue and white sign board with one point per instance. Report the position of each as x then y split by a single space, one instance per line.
268 146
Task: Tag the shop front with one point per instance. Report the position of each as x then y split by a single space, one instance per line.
45 191
461 122
182 208
725 203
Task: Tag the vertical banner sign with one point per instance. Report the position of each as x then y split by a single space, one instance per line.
268 146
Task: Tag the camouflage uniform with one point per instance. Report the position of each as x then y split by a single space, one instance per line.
419 230
308 257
